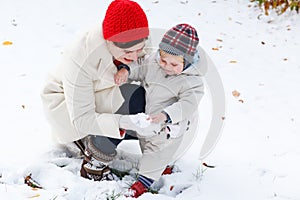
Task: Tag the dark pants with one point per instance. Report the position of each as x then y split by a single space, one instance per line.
134 96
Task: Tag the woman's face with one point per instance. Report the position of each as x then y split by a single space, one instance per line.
172 65
127 55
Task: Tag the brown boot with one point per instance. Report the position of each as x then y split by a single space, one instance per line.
95 164
83 172
95 170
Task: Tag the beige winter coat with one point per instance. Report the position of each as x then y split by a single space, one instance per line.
80 96
179 96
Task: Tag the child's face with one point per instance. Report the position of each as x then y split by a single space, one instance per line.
172 65
128 55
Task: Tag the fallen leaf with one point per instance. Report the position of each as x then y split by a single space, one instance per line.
263 43
292 119
215 49
241 100
209 166
6 43
184 2
31 183
23 106
34 196
236 94
171 187
219 40
233 61
223 118
285 59
13 22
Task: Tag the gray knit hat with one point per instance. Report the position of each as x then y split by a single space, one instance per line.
182 39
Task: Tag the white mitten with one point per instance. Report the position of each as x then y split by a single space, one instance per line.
141 120
140 123
177 130
127 123
149 131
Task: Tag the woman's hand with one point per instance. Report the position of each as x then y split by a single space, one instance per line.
159 118
121 76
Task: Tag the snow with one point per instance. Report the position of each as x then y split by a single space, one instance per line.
258 155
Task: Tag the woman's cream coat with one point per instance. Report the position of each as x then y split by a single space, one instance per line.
80 96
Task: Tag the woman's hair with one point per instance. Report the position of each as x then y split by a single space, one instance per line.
125 45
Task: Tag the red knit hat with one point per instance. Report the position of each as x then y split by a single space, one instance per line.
125 21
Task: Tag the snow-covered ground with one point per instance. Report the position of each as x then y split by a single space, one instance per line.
258 155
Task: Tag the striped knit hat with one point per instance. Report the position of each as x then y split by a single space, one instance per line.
182 40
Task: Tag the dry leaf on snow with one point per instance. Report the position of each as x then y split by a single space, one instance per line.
34 196
31 183
7 43
209 166
236 94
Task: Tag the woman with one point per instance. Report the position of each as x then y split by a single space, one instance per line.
81 99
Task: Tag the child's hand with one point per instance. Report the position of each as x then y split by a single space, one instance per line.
121 76
159 118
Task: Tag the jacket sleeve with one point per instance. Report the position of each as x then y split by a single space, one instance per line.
188 100
80 101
